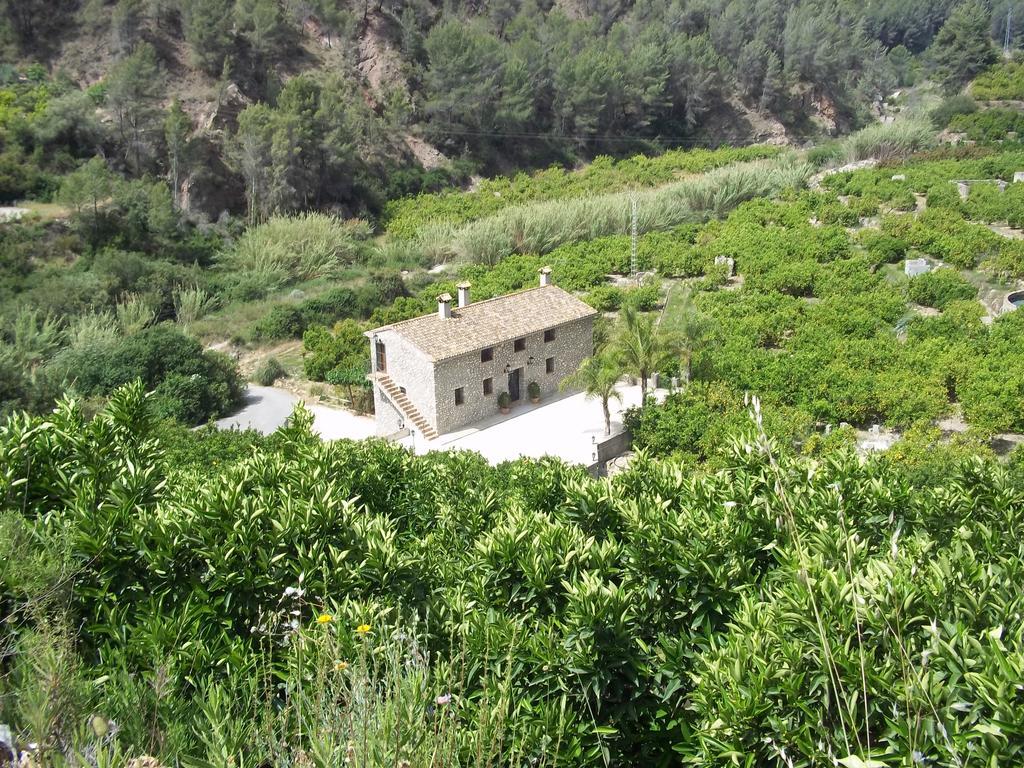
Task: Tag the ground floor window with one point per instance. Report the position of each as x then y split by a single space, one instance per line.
488 386
549 365
460 396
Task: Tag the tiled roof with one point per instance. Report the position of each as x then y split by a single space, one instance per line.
493 321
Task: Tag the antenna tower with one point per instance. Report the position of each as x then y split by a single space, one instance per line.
1008 38
634 205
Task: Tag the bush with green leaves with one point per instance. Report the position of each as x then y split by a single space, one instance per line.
605 298
951 108
330 599
643 298
189 383
1003 82
288 320
990 125
344 349
940 287
888 141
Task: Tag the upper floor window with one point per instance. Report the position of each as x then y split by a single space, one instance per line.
486 355
519 345
549 335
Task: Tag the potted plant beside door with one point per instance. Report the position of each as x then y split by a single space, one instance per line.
504 402
534 391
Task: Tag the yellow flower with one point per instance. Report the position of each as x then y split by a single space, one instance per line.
362 629
341 666
324 618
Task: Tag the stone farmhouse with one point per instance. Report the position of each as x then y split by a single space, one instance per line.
446 370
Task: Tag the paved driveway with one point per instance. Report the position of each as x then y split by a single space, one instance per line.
566 427
267 408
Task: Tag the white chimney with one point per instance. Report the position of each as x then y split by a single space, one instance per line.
545 276
444 306
463 294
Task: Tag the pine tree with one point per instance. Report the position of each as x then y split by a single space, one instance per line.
133 87
963 48
176 135
208 30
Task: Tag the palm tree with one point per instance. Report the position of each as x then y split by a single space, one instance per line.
597 377
643 347
689 328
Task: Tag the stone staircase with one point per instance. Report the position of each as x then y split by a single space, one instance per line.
404 404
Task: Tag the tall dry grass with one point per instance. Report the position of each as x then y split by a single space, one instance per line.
888 141
542 227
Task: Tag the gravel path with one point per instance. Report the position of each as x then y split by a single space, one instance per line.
267 408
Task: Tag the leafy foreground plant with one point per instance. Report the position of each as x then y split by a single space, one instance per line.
319 603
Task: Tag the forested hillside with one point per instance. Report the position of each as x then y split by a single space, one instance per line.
284 105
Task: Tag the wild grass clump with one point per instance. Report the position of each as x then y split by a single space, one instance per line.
191 304
134 313
268 372
34 335
407 217
288 249
97 329
889 141
542 227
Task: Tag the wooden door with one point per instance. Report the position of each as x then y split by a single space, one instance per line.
513 384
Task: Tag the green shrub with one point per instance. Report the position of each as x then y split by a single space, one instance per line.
605 298
543 227
283 321
644 298
940 287
865 207
672 254
268 372
1003 82
829 153
189 384
344 349
883 248
714 278
990 125
950 108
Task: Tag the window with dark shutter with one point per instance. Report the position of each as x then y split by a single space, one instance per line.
460 396
549 365
488 386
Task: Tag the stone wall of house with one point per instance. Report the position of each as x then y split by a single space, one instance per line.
408 367
387 418
573 343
